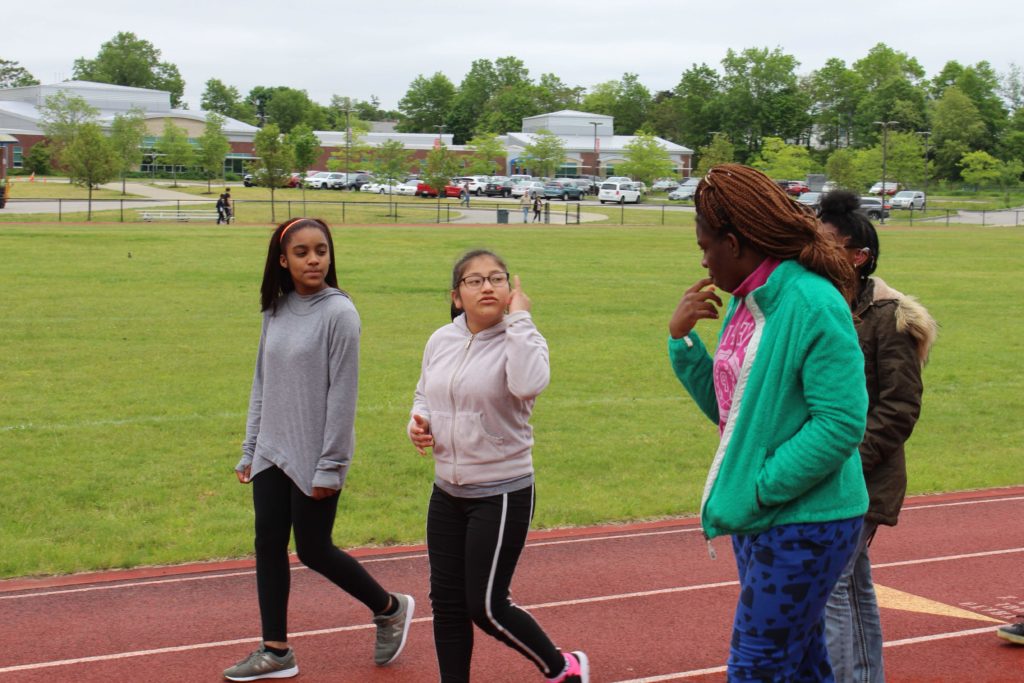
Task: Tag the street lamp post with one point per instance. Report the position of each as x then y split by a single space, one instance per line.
440 144
348 144
926 134
885 139
597 152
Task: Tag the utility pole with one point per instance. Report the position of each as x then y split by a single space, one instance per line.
885 140
926 134
597 152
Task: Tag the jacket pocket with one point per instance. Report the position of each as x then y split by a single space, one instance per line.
474 442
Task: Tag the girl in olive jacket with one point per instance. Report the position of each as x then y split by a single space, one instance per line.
786 388
896 334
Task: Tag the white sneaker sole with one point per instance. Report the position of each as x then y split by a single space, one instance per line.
283 673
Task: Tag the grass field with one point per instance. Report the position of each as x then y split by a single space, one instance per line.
128 356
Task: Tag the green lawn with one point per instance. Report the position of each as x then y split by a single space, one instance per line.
128 355
51 188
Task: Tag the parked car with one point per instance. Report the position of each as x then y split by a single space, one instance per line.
908 199
313 180
794 187
811 199
354 181
640 186
664 185
379 188
562 189
530 186
477 183
499 186
684 191
293 180
326 181
410 188
874 208
890 188
617 179
620 193
519 177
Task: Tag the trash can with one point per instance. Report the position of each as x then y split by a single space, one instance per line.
503 215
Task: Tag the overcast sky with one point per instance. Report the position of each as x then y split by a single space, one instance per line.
361 48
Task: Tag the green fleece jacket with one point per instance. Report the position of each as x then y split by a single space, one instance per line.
788 452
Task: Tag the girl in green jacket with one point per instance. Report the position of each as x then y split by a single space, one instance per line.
786 388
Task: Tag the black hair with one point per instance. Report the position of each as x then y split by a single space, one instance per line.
460 267
841 208
277 281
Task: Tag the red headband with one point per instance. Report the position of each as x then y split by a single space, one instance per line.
280 238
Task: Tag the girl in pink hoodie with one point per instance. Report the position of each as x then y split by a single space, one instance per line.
480 377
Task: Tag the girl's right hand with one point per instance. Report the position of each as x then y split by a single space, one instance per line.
697 304
243 475
419 434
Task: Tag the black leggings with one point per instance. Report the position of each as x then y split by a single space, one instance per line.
474 545
280 507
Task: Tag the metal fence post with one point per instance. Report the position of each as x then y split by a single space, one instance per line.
122 211
622 213
663 214
60 210
343 211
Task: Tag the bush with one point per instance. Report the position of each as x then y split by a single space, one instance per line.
38 160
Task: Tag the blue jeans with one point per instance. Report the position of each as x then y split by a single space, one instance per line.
853 630
786 575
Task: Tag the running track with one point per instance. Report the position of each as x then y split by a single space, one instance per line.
644 601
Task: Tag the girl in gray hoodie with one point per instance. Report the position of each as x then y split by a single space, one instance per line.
299 439
480 377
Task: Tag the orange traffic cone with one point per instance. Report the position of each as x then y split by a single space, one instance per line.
32 178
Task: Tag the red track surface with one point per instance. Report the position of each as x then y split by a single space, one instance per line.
644 601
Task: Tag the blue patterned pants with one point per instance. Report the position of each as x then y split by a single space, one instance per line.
786 576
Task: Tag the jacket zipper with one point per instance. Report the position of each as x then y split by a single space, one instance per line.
451 396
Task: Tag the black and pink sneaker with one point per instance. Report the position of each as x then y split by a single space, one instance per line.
577 669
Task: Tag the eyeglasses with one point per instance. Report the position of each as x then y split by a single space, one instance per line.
477 281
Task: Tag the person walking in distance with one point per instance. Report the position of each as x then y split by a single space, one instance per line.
480 377
229 207
465 193
537 204
896 334
222 209
786 388
524 204
299 440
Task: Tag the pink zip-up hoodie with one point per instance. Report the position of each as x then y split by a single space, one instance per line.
477 391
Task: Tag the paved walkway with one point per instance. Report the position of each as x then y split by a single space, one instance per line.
142 193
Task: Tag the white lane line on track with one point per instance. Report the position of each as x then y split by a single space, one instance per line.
695 673
250 572
929 506
948 558
341 629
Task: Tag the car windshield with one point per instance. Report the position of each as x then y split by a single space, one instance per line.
906 195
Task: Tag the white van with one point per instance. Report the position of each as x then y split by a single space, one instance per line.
619 193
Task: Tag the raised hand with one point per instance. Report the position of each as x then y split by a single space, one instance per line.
419 434
518 301
697 303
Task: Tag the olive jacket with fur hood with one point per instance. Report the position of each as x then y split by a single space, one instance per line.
896 333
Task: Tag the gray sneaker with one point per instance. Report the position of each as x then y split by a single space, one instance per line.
263 664
393 630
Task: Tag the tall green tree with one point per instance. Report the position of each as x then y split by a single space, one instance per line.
507 108
957 128
842 169
905 161
213 147
893 90
545 154
129 60
62 116
488 153
646 159
90 160
226 101
439 169
274 160
126 135
351 154
700 106
426 104
174 148
288 107
552 94
305 150
13 75
628 100
472 95
762 98
719 151
835 92
391 163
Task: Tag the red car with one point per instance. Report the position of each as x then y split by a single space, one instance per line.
794 187
424 190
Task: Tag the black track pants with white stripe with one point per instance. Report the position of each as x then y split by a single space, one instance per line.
474 545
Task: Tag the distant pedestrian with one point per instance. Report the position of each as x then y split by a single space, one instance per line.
222 213
465 194
299 440
537 204
481 375
524 203
229 207
896 334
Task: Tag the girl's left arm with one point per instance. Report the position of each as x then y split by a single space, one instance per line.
527 365
342 392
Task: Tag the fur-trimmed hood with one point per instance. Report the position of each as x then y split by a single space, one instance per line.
911 316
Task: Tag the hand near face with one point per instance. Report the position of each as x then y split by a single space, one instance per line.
518 301
697 303
419 434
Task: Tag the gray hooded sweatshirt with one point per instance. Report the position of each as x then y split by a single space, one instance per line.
303 402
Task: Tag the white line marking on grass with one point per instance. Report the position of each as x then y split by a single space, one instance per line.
694 673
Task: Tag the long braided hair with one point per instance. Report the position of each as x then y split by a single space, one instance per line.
743 200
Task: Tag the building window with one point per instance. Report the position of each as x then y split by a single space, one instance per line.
16 161
569 169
